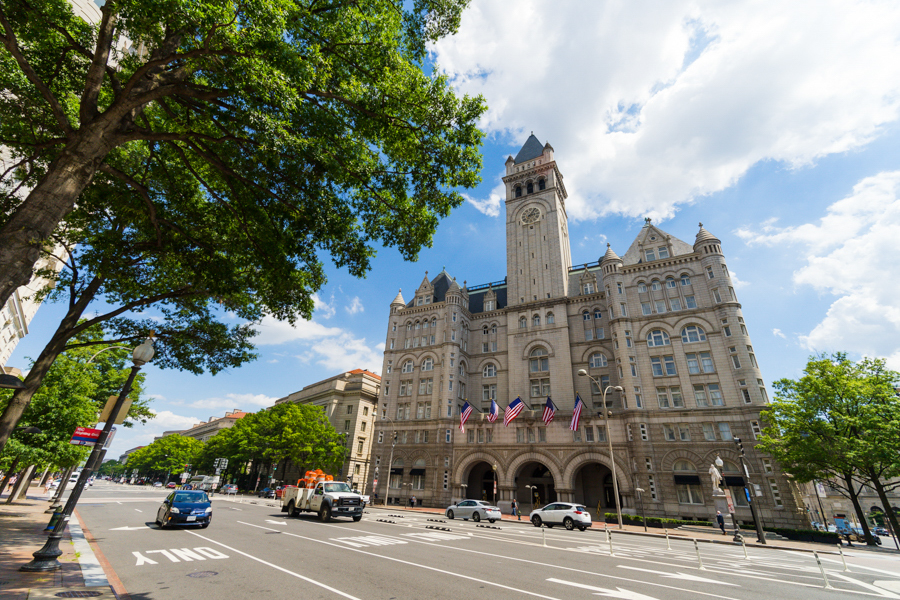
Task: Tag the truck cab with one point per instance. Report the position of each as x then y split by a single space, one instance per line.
328 499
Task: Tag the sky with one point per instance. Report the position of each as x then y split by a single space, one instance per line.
775 124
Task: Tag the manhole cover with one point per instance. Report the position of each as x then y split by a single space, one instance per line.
77 594
203 574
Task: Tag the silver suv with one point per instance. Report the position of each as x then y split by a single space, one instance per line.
566 514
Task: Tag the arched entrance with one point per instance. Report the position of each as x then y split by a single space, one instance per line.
593 486
534 486
480 483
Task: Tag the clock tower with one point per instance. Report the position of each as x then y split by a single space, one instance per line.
537 232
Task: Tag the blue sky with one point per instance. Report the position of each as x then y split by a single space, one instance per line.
775 124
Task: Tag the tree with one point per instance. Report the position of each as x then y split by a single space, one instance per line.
319 114
838 423
111 468
168 454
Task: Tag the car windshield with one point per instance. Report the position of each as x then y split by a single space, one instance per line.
191 497
337 486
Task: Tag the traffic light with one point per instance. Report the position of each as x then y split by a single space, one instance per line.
740 445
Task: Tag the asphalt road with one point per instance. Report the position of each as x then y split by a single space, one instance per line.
254 549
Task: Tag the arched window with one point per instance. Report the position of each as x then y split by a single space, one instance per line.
598 315
398 462
489 370
692 333
425 324
684 466
409 326
550 319
529 188
598 360
428 364
407 367
539 361
418 325
536 320
642 287
434 322
419 464
658 337
523 322
729 467
493 329
654 285
542 183
685 279
518 191
484 330
586 315
670 282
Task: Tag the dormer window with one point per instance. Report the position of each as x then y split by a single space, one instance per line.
663 252
588 288
649 254
420 301
488 305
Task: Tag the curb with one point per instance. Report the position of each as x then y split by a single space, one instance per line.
93 573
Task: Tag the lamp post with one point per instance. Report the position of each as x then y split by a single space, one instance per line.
531 491
640 492
45 559
409 495
720 464
464 487
494 495
612 460
387 485
760 536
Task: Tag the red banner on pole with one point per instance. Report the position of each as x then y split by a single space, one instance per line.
85 436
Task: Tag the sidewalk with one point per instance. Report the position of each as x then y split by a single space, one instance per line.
714 536
22 533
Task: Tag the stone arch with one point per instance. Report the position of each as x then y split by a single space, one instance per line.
586 355
697 320
534 201
526 351
526 456
668 461
585 457
648 327
727 454
465 464
426 354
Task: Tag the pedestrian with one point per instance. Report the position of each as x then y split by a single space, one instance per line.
12 482
721 521
515 509
412 501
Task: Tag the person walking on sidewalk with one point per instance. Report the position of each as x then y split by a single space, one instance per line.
515 509
721 521
12 482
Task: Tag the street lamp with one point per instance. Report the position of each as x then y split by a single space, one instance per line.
464 487
409 495
612 460
720 464
760 535
532 489
640 492
494 495
45 559
387 485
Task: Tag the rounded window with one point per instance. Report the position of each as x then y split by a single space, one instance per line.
542 184
536 320
407 367
518 191
550 318
685 279
642 287
658 337
655 286
428 364
523 323
489 371
692 334
670 282
529 188
598 360
684 465
539 361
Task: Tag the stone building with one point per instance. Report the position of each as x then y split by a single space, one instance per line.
662 321
349 400
206 430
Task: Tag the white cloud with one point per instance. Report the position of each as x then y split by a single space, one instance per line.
490 206
272 331
595 241
736 282
142 435
851 254
778 333
345 353
323 309
651 108
245 402
356 306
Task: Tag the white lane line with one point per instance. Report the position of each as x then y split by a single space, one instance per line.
139 510
873 588
854 565
282 569
406 562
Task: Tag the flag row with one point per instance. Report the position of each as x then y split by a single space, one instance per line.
516 407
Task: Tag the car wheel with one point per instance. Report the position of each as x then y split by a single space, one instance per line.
476 517
325 514
548 525
491 520
357 519
582 528
292 510
569 523
536 521
450 514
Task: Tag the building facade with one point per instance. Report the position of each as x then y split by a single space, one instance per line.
208 429
349 400
662 321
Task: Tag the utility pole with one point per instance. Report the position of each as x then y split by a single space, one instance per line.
760 535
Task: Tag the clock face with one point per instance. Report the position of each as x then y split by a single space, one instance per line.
531 215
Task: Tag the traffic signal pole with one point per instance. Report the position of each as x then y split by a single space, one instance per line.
760 534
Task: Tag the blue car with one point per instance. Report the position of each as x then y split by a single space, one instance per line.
185 507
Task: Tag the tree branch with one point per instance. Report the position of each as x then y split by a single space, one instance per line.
94 79
142 191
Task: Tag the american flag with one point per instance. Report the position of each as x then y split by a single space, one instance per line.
576 414
495 411
549 411
464 414
512 411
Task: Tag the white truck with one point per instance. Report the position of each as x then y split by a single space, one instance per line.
328 499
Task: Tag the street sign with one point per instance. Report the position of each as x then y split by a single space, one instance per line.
85 436
729 500
757 489
109 438
107 410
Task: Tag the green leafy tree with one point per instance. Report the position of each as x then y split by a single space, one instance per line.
111 468
316 114
838 423
168 454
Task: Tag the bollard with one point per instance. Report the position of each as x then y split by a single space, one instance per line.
609 539
844 560
699 560
668 546
822 569
543 535
744 546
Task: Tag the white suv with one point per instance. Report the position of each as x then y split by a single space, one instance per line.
561 513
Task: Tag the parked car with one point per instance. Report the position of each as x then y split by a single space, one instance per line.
880 531
185 508
171 485
54 484
473 509
229 489
365 497
266 492
157 484
566 514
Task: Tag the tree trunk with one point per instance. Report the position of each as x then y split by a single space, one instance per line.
46 475
860 515
21 483
886 504
57 344
9 474
32 223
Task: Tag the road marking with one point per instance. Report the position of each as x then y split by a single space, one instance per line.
371 540
274 566
143 560
139 510
179 554
129 528
684 576
881 591
598 591
406 562
275 522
